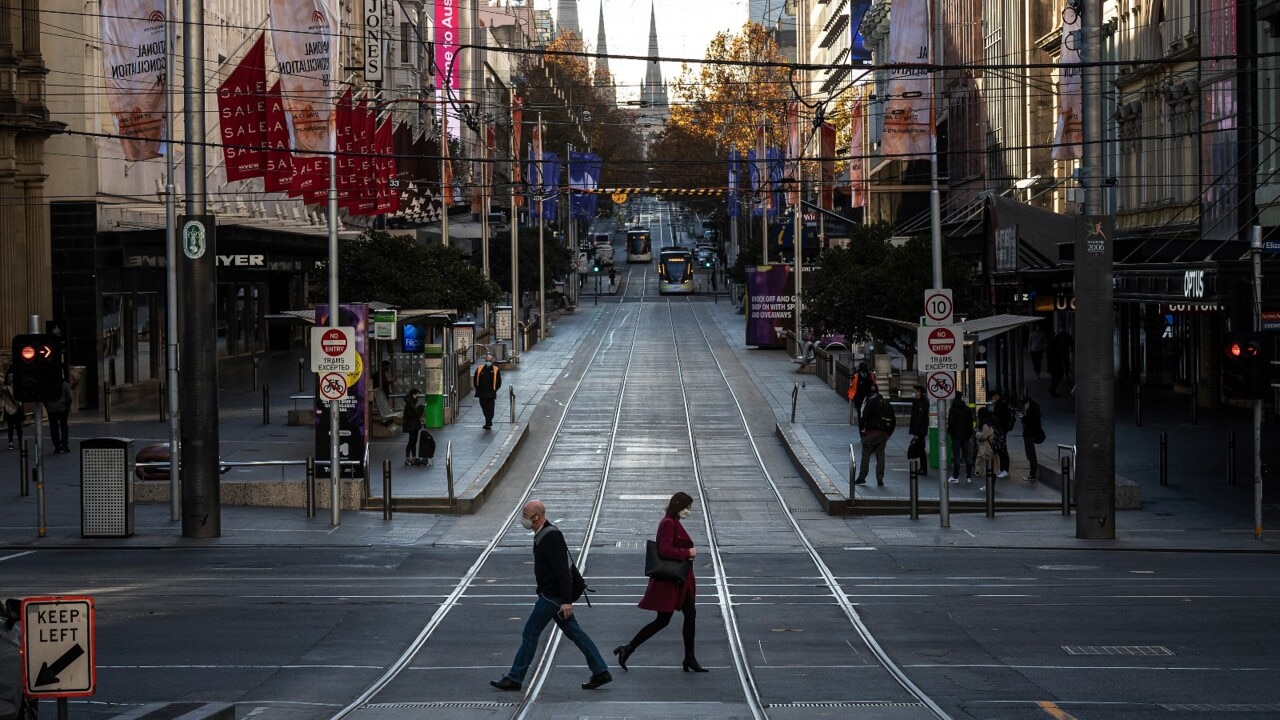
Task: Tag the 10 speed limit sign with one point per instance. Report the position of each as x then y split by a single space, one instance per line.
938 306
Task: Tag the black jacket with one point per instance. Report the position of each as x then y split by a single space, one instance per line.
488 379
551 564
1003 415
919 417
412 419
1031 425
960 422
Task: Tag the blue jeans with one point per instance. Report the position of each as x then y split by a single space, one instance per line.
544 611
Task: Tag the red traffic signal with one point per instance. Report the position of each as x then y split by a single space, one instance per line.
1244 369
37 367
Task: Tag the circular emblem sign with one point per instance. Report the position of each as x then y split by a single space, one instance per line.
193 239
619 197
941 341
333 342
333 386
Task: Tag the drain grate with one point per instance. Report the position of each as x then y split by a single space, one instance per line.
1219 707
846 704
796 511
629 543
1146 650
406 534
442 704
895 533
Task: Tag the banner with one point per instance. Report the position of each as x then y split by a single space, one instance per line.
135 55
446 57
734 168
827 142
446 169
794 151
279 167
307 61
346 150
777 171
1067 135
386 199
584 174
366 187
353 410
550 185
534 175
908 120
771 304
857 154
242 112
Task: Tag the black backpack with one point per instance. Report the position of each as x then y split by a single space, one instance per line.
888 418
578 587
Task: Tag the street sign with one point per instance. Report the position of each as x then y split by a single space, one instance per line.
333 350
938 307
941 385
941 348
1271 321
384 324
57 647
333 386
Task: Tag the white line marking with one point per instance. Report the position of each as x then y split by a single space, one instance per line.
16 555
644 497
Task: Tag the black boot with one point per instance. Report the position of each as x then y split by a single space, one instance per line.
690 664
623 652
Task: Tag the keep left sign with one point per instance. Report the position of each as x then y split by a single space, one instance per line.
58 646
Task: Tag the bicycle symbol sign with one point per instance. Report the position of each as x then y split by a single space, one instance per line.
333 386
941 385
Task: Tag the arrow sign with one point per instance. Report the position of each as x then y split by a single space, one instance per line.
48 674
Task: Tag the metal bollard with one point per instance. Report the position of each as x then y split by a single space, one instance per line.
991 487
106 402
448 469
386 489
1164 458
1195 402
795 395
511 392
914 479
1066 486
23 459
853 469
255 374
266 404
853 413
302 364
1137 405
311 487
160 402
1231 457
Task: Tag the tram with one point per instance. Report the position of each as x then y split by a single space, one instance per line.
675 272
639 246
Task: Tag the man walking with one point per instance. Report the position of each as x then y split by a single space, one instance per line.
919 430
487 381
875 424
555 602
860 387
58 411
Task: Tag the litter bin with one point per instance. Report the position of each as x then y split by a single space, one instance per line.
106 487
499 350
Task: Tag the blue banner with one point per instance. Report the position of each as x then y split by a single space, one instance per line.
584 174
734 160
777 171
550 185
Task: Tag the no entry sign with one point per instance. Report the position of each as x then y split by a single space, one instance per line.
333 349
941 348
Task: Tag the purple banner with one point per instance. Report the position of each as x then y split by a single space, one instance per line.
550 185
353 410
584 174
771 305
733 183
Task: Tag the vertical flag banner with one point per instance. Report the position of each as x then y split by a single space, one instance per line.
486 173
754 182
366 177
733 183
550 185
446 58
345 157
134 52
242 113
777 170
279 168
1067 134
517 122
535 171
827 194
446 169
584 175
857 153
386 199
794 150
301 31
908 119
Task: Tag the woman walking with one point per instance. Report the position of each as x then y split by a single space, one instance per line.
412 424
664 597
12 409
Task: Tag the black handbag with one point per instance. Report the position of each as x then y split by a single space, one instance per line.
660 568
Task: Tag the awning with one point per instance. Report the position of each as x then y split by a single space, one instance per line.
308 317
980 328
1039 234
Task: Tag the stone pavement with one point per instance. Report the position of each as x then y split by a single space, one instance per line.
1198 509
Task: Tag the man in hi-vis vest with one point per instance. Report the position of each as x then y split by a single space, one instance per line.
488 379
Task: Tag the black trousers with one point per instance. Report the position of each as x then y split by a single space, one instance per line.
411 448
486 406
690 626
58 429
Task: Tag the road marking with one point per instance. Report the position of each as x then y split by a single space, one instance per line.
1055 711
644 497
16 555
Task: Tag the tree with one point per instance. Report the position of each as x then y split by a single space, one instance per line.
380 267
875 276
559 259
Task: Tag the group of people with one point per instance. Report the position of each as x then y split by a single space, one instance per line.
553 572
58 410
420 446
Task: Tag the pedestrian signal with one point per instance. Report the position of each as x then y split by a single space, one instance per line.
37 367
1244 368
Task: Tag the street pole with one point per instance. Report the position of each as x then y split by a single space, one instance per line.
34 326
445 192
171 279
935 222
542 224
486 176
1255 249
335 466
515 252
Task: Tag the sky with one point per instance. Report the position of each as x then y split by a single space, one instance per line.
685 28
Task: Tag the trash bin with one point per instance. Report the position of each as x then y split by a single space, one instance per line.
106 487
499 351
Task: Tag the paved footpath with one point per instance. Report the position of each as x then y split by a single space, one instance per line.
1197 510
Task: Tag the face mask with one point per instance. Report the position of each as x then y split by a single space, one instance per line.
526 523
684 513
488 363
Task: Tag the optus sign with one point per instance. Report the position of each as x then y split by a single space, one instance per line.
447 43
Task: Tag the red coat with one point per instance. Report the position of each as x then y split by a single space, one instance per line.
673 544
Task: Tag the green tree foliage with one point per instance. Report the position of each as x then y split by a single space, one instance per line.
380 267
558 256
875 276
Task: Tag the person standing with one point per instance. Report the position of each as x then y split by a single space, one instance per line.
58 411
1032 434
664 597
386 379
1059 360
555 602
875 425
488 379
860 387
13 412
960 430
987 442
1036 344
413 425
1003 422
919 430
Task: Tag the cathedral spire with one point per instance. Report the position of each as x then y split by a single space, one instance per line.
654 92
602 47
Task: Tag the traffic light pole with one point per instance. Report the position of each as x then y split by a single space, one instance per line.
34 325
1255 249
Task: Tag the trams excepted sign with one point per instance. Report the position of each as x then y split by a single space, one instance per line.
58 647
940 349
333 349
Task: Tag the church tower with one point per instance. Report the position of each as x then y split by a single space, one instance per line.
654 110
602 78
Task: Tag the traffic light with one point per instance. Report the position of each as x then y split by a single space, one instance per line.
1244 368
37 367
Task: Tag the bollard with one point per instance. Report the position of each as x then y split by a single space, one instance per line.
991 487
386 489
1066 486
1164 458
853 413
1137 405
795 394
853 469
1195 402
302 364
311 487
1231 457
255 374
160 402
23 458
106 402
914 478
511 392
448 469
266 404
